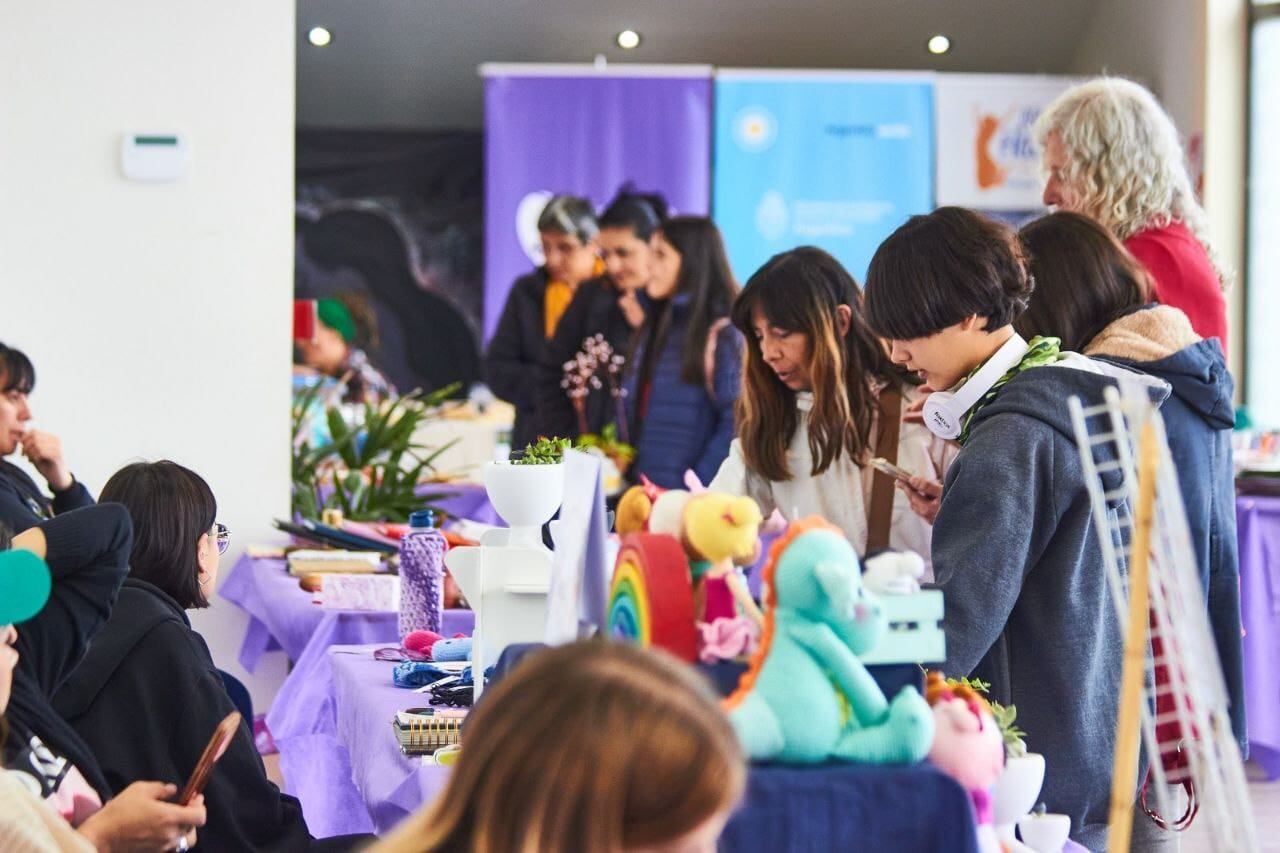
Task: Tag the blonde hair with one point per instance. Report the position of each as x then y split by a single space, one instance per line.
594 746
1125 160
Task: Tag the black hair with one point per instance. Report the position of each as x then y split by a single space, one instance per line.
568 214
641 213
941 267
171 507
16 371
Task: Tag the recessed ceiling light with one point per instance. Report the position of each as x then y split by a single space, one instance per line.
939 44
319 36
628 39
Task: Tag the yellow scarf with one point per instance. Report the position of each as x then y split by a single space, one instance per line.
556 301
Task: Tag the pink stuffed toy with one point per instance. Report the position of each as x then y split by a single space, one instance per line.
967 743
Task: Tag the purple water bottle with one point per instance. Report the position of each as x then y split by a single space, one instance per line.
421 575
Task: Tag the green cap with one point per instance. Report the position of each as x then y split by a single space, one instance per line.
24 586
336 316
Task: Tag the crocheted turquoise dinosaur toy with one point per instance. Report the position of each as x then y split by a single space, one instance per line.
806 697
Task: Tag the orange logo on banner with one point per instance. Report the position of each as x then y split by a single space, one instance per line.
990 173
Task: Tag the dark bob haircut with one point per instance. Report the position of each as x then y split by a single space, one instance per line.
1085 279
171 507
16 371
942 267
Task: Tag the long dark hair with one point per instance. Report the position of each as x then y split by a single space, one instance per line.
1085 279
707 279
800 291
171 508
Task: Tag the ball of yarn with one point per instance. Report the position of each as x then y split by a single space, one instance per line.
421 641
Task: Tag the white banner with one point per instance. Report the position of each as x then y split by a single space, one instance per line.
986 155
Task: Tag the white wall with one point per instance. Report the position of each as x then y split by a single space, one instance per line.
1191 54
1158 42
157 316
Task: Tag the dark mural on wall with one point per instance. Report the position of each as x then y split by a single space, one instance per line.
397 217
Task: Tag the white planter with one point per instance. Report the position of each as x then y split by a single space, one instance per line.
1016 792
1045 833
526 496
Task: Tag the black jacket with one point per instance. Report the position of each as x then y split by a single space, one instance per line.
515 352
594 310
147 697
88 556
23 505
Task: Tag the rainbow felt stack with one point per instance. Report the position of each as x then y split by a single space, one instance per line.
651 598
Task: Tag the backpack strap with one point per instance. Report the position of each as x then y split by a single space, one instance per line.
880 512
709 355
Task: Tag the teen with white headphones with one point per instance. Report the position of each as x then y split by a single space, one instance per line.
1015 549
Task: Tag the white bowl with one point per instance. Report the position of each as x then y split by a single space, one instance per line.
524 495
1017 788
1045 833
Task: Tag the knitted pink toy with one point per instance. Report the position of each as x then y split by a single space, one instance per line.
967 743
421 641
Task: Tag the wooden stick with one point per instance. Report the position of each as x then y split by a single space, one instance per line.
1124 772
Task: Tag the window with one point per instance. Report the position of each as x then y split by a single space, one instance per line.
1262 261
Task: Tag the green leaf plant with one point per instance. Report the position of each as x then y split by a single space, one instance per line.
369 468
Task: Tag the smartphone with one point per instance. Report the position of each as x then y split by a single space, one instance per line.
884 466
214 750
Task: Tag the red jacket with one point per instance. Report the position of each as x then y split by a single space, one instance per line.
1183 277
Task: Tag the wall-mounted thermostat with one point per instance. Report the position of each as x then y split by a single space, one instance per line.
153 156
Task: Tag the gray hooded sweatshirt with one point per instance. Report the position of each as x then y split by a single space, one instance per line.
1028 608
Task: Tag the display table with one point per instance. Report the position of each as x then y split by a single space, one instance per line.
1258 522
822 808
282 616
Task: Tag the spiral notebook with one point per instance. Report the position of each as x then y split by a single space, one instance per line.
421 731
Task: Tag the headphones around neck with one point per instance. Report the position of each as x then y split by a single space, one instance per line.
944 411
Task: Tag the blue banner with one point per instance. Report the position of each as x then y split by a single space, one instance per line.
829 159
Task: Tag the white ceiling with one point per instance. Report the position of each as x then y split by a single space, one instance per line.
412 63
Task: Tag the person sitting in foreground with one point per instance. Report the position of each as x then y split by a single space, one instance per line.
50 780
592 746
147 696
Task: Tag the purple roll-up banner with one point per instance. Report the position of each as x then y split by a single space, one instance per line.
585 131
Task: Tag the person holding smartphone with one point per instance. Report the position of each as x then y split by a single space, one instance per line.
1015 544
147 696
817 392
52 789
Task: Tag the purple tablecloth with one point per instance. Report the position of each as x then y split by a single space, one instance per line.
282 615
303 722
390 784
1258 524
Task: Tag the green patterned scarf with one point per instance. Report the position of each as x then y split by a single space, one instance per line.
1041 351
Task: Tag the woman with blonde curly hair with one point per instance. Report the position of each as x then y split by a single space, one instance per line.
1111 152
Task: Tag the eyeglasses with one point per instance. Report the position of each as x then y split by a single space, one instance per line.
222 535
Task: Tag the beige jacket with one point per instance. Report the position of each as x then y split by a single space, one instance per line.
842 493
27 825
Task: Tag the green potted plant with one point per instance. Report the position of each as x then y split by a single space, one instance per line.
527 489
370 467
